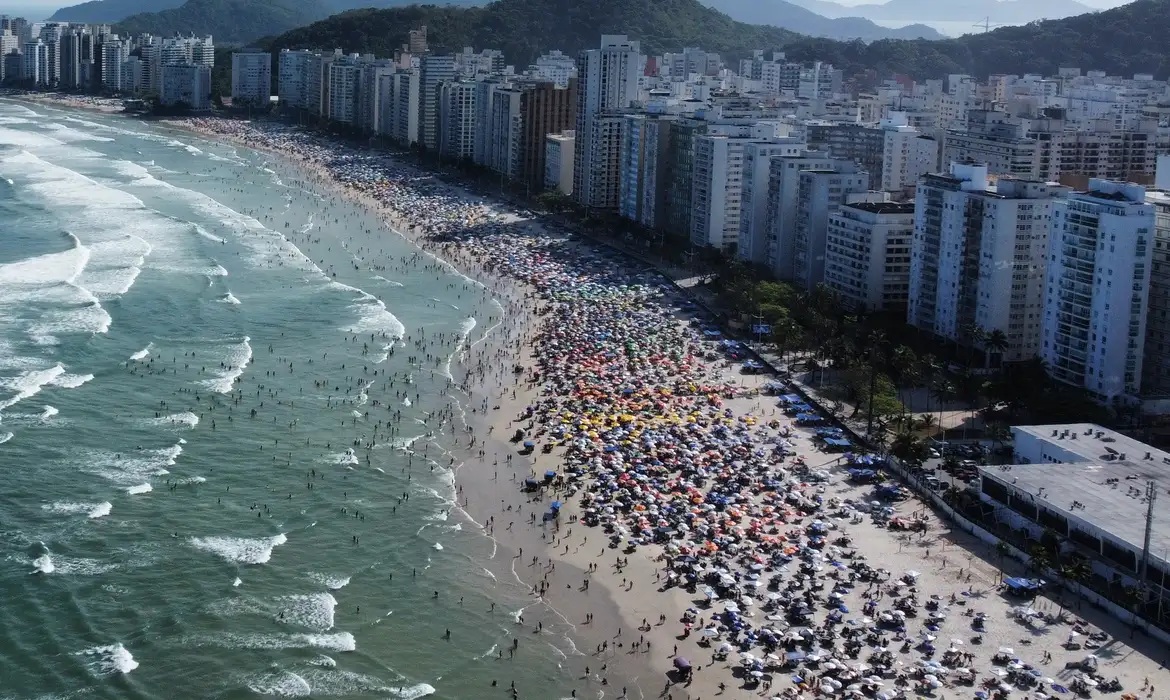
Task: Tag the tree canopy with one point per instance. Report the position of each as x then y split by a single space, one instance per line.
1125 40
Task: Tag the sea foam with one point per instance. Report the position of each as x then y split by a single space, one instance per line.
109 660
240 550
237 360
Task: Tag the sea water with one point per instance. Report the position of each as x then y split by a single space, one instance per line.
155 535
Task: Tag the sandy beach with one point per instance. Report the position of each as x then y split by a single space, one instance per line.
703 542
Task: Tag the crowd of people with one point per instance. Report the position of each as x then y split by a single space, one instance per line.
657 435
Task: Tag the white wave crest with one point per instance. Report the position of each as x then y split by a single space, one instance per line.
240 550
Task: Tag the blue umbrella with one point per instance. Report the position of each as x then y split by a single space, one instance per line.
529 443
556 505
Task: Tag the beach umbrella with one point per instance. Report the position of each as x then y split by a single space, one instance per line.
681 664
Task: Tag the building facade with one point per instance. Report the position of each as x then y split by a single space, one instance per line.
251 78
1099 261
867 255
977 261
607 81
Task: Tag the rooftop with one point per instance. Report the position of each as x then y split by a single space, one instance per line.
1108 496
883 207
1105 484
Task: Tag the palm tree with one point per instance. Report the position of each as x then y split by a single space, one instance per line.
1039 559
997 344
1075 572
905 365
1002 549
943 390
975 336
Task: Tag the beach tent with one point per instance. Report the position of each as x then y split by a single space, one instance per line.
1023 586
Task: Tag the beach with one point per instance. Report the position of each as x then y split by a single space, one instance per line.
668 448
667 521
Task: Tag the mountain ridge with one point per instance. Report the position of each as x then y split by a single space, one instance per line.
998 11
1121 41
790 15
780 13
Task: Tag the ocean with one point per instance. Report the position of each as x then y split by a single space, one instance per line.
224 470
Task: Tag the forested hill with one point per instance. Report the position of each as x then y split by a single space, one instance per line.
524 29
1122 41
227 21
1126 40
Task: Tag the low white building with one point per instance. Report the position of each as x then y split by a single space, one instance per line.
558 161
867 254
186 84
251 78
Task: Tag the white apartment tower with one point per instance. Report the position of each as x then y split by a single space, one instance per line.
114 51
867 254
343 89
1099 262
977 261
251 78
607 81
186 83
558 162
457 120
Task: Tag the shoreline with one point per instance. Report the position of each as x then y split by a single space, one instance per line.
567 609
528 336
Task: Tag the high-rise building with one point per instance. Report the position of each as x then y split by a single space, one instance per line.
780 216
434 70
757 165
545 109
558 162
645 148
717 184
978 259
371 75
607 81
867 255
404 119
293 69
70 60
417 40
555 67
251 78
457 120
132 75
113 52
343 90
35 63
186 84
9 46
317 82
818 194
1099 261
991 138
1156 352
680 165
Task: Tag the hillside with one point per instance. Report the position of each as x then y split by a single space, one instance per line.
792 16
109 11
1124 41
523 29
228 21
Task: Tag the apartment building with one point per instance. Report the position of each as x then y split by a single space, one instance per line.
867 255
1100 254
977 259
